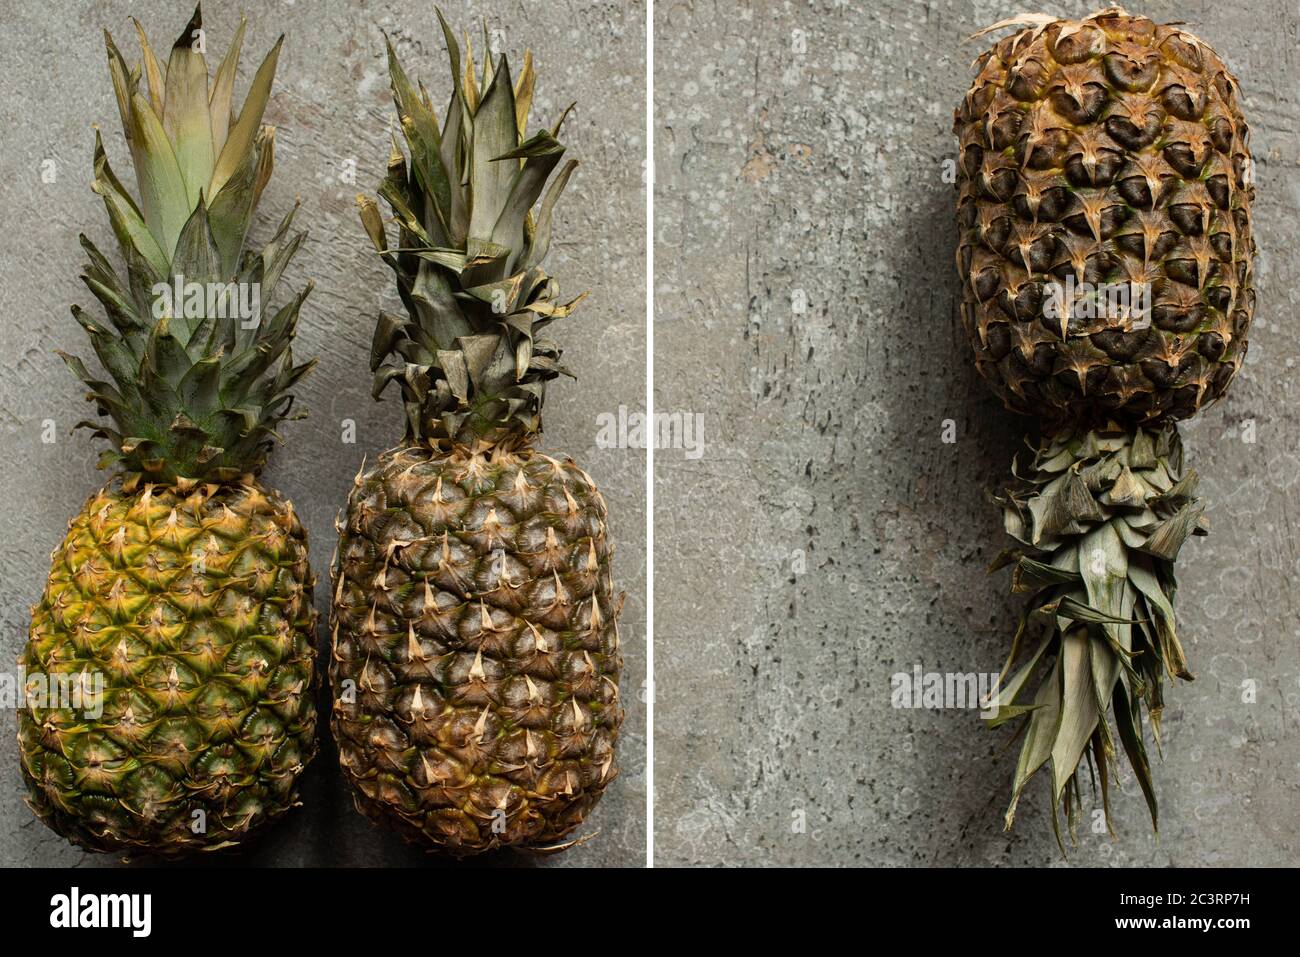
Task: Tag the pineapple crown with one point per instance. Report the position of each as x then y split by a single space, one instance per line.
469 355
200 366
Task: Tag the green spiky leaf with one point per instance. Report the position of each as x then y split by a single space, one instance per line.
471 238
199 386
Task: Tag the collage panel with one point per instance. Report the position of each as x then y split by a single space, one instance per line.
828 640
483 637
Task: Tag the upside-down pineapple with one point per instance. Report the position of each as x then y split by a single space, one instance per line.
179 604
476 658
1097 155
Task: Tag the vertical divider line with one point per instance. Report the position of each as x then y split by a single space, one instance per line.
651 432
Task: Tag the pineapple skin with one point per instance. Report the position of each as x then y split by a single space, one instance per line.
194 603
1113 150
476 654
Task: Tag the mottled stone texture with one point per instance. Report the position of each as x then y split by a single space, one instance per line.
331 107
828 537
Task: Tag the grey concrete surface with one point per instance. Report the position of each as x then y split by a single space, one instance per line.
331 106
827 538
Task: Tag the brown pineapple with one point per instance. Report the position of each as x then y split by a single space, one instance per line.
475 666
1108 150
1108 153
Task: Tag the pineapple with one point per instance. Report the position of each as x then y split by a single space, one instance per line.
179 605
475 625
1108 153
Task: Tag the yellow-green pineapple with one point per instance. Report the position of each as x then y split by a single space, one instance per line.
181 598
